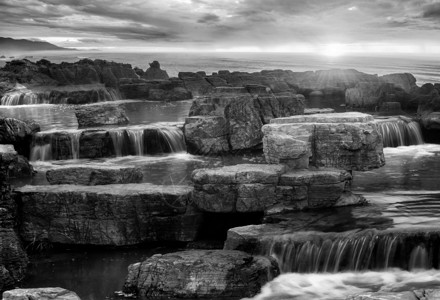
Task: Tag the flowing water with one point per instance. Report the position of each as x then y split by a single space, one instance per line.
390 245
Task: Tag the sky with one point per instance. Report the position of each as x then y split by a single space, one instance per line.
330 27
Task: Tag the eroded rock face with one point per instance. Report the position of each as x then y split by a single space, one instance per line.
18 133
117 214
428 294
268 188
347 141
54 293
157 90
15 165
406 81
100 115
236 118
200 273
94 175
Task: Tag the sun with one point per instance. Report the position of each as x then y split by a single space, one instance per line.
333 50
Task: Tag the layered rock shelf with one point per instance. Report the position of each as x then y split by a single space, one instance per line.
116 214
270 189
348 141
200 274
93 175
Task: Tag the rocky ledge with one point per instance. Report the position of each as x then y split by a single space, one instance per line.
94 175
200 274
116 214
53 293
348 141
100 115
15 165
270 189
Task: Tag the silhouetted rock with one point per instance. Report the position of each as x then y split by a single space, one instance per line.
200 273
18 133
406 81
154 72
15 165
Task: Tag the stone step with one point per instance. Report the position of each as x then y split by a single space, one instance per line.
115 214
200 274
94 175
346 117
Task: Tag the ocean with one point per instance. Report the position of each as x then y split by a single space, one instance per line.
424 69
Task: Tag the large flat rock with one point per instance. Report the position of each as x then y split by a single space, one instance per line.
348 141
94 175
53 293
116 214
200 274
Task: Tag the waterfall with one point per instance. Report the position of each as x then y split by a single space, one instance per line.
74 142
41 152
136 137
118 138
366 250
174 138
399 132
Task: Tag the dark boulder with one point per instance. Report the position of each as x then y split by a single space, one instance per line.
101 115
155 72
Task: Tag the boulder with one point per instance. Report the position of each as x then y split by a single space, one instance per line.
18 133
195 83
116 214
155 72
16 166
406 81
200 274
431 121
206 134
100 115
53 293
313 111
348 141
94 175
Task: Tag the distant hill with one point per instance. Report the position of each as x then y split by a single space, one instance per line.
12 46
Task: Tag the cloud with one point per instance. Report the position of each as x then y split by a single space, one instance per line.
431 10
209 18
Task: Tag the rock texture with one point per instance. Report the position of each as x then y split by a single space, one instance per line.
427 294
268 188
117 214
232 122
100 115
348 141
200 274
94 175
54 293
15 165
18 133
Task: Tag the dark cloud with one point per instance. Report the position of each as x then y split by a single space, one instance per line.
431 10
209 18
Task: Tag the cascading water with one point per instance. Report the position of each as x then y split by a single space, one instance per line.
175 138
74 141
360 251
136 137
400 132
118 139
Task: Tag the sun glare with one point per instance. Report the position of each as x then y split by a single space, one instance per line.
333 50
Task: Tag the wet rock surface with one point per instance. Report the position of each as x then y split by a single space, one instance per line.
18 133
200 274
101 115
53 293
117 214
15 165
94 175
428 294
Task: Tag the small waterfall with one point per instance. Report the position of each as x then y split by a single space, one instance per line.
174 138
136 137
118 138
368 250
400 132
74 142
41 152
23 97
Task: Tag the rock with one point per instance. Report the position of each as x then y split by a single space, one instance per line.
390 109
18 133
402 295
100 115
94 175
15 165
200 274
348 141
155 72
157 90
195 83
431 121
239 118
313 111
55 293
206 134
116 214
406 81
